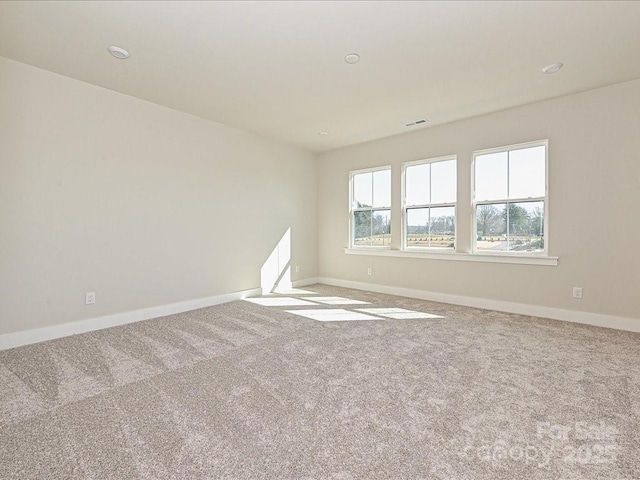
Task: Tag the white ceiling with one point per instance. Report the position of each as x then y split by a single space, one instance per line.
277 68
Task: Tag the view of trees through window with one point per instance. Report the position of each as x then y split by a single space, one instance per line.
521 229
429 198
509 197
510 188
431 227
371 208
372 227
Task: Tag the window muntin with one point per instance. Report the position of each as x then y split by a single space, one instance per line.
510 199
370 216
429 203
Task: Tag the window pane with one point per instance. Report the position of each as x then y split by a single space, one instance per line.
526 172
362 192
362 228
491 227
519 231
431 227
491 176
443 182
381 228
417 185
382 188
526 223
443 227
418 227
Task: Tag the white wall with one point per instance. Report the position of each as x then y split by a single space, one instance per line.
594 196
148 206
142 204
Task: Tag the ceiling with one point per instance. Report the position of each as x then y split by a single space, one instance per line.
277 68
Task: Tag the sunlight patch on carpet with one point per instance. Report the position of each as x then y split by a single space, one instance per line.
333 315
398 313
338 301
293 291
280 302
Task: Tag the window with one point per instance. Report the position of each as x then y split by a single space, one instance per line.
429 203
371 208
510 199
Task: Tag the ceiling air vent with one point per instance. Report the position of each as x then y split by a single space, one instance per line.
417 122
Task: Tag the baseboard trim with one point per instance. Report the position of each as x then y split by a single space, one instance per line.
305 282
36 335
587 318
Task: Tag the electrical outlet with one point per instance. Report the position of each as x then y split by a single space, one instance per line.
297 268
577 292
370 271
90 298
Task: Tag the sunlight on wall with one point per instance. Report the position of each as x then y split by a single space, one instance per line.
276 271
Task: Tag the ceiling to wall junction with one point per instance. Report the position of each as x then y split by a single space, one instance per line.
278 68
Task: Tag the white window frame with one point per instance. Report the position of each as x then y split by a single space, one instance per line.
443 250
545 199
353 173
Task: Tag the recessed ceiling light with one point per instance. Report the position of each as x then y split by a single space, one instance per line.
352 58
323 134
552 68
118 52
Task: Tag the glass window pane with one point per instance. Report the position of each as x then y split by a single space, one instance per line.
418 227
443 182
525 227
362 228
491 176
416 180
382 188
522 230
381 228
491 227
443 227
526 172
362 190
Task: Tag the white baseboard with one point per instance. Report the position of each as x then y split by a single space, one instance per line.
588 318
26 337
305 282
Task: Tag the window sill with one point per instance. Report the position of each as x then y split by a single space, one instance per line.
457 256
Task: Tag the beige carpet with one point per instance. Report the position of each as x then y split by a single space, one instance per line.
249 391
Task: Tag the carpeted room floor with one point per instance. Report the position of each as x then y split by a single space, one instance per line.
244 390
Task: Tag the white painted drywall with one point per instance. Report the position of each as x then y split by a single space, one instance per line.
594 156
146 206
